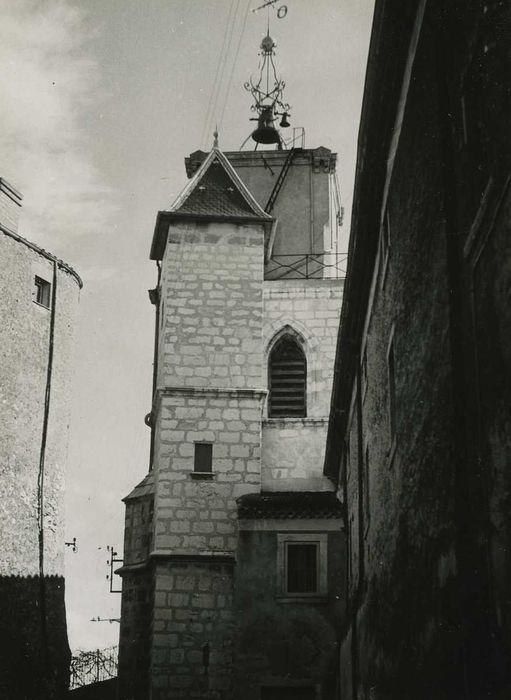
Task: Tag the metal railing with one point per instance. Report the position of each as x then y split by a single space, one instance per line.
93 666
307 266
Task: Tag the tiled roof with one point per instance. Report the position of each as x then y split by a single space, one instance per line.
216 195
144 488
289 504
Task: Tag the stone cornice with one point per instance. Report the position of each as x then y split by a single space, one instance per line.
294 422
164 555
209 556
217 392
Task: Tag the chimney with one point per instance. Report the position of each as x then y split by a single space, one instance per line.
10 206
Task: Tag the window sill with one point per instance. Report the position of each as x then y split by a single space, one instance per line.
202 476
42 306
313 599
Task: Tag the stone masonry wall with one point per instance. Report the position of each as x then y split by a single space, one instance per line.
400 477
211 291
35 650
137 592
195 516
209 389
293 449
23 367
193 630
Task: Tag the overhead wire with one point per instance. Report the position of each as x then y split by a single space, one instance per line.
215 80
219 77
229 84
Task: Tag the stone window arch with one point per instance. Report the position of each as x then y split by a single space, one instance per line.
287 377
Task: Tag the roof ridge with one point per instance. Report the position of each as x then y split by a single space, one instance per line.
216 155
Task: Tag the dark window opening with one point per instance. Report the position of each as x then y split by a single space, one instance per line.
302 568
287 380
203 457
42 290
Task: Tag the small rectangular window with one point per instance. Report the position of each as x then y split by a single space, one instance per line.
41 292
203 458
302 567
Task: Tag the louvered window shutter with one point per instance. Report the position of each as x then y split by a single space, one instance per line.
287 380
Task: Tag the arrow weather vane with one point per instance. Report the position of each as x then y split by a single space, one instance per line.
281 11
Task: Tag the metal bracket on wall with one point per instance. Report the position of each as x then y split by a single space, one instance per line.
72 544
111 563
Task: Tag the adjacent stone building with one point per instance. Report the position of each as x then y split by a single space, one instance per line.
420 429
233 576
38 303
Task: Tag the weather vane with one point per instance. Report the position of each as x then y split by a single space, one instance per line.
281 11
267 90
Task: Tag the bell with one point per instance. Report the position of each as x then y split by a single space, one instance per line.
266 132
284 121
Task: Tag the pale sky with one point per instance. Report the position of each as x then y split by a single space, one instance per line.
100 101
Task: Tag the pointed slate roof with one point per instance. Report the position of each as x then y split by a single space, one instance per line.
214 193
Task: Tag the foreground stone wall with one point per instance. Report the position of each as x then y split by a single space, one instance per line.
35 651
426 445
24 355
399 480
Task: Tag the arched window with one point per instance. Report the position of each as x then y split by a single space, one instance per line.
287 376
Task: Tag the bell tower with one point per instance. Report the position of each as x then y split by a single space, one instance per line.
232 576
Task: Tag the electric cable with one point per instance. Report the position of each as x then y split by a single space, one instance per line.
221 79
214 84
229 84
217 86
